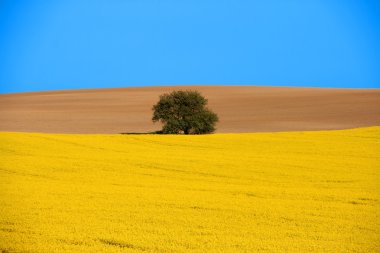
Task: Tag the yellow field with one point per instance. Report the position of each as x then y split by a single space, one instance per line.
271 192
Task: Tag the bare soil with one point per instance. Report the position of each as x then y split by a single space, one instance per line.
240 109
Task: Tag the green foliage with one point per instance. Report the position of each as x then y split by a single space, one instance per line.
184 112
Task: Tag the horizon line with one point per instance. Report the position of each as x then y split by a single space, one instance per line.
189 85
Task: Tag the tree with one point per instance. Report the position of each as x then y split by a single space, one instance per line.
184 112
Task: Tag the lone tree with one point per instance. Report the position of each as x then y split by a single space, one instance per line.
184 112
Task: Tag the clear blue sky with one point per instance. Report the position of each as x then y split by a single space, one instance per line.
68 44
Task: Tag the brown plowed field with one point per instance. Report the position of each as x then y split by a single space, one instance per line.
240 109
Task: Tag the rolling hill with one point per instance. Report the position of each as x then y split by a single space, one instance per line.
240 109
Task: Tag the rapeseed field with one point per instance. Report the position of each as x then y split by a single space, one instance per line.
263 192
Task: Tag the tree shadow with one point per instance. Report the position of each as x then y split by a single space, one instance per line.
134 133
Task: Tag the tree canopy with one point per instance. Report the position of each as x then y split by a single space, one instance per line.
184 112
